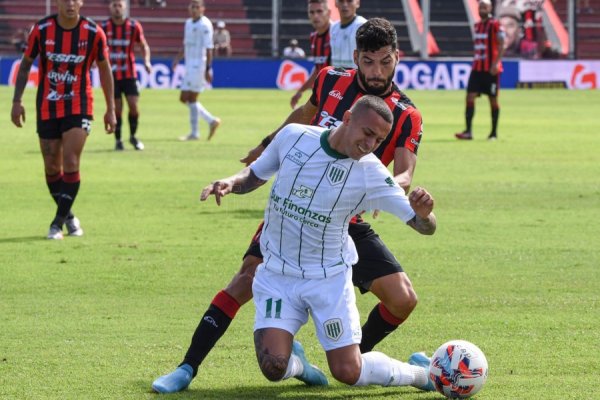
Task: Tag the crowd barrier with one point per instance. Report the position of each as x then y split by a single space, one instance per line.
410 74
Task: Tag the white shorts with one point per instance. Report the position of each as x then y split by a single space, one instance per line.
284 302
193 80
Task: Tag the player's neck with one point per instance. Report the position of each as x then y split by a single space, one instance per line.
346 21
323 30
67 22
118 20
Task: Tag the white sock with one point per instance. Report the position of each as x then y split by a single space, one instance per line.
379 369
193 118
294 368
204 114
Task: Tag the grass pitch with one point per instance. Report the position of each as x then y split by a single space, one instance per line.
512 268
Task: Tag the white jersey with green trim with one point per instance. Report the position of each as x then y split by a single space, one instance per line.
315 194
343 42
198 36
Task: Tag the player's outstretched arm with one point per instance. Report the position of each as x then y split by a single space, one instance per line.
422 203
244 181
17 114
107 83
301 115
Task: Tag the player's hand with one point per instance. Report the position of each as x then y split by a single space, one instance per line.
494 70
148 67
218 188
295 99
17 114
421 201
110 121
253 155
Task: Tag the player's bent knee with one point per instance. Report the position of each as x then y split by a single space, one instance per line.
273 369
347 373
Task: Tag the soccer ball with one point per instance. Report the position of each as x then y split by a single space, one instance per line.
458 369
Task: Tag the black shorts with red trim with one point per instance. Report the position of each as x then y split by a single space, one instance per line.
54 128
482 82
128 87
374 258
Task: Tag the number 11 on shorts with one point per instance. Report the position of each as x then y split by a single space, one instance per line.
270 309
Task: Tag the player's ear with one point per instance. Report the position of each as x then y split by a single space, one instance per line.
355 56
346 117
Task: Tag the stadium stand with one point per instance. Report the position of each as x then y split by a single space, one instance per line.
249 22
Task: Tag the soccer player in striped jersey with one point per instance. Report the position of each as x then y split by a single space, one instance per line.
343 33
377 270
122 34
198 53
324 177
486 69
319 15
67 45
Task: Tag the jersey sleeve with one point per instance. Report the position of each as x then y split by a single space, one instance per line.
101 50
139 33
411 131
209 44
269 161
383 193
33 42
316 90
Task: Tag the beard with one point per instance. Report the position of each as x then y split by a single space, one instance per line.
375 90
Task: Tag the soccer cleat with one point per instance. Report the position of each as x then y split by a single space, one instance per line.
463 135
74 226
421 360
189 137
213 127
492 137
55 233
176 381
119 146
311 375
136 143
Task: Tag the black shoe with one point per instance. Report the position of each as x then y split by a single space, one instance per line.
136 143
492 137
119 146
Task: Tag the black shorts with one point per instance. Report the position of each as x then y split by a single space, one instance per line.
374 258
54 128
484 83
129 87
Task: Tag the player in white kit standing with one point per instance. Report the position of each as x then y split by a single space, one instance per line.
343 33
198 53
324 178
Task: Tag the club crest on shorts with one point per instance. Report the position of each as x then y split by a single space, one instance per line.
333 328
336 174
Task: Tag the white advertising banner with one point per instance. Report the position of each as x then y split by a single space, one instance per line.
579 74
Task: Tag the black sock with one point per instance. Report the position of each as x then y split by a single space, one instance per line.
133 124
118 129
54 183
495 115
375 330
68 193
470 112
213 325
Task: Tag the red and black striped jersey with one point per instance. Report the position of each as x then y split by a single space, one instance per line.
320 49
66 55
121 40
336 89
486 44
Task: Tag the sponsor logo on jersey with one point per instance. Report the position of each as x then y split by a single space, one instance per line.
333 328
399 104
339 72
119 42
336 94
67 58
328 121
303 192
55 77
50 42
297 156
53 95
390 181
336 174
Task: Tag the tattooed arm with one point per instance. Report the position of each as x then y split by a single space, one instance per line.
422 202
17 114
243 182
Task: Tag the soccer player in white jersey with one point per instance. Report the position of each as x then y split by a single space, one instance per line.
324 177
343 33
198 53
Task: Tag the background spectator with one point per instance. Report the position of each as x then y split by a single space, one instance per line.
222 40
293 51
19 40
510 19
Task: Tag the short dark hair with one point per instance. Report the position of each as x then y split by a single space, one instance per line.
375 34
324 2
369 102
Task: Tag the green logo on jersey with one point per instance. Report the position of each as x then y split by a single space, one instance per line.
333 328
390 181
336 174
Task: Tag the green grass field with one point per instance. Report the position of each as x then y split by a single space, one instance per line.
513 267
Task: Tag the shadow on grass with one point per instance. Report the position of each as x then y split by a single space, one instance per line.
256 214
23 239
295 392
